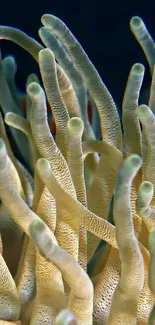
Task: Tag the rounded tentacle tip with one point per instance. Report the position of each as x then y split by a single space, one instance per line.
136 22
66 317
147 187
37 226
129 169
145 114
34 89
10 118
31 78
46 54
10 65
134 161
145 194
43 165
42 238
138 69
75 125
48 20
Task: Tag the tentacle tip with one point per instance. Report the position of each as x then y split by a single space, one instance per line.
40 31
144 197
9 118
34 89
46 19
136 22
145 114
76 125
138 68
36 226
66 317
46 53
147 186
43 164
41 236
135 160
142 108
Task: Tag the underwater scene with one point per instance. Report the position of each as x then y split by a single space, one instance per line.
77 178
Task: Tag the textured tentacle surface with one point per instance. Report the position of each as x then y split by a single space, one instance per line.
77 229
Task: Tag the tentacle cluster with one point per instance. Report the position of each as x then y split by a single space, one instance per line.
77 242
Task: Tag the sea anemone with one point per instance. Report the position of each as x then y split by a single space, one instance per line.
77 218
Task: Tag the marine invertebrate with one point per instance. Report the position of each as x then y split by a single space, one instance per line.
84 225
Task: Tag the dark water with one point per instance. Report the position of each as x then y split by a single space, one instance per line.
102 27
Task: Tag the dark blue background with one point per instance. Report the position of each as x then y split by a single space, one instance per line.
102 27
